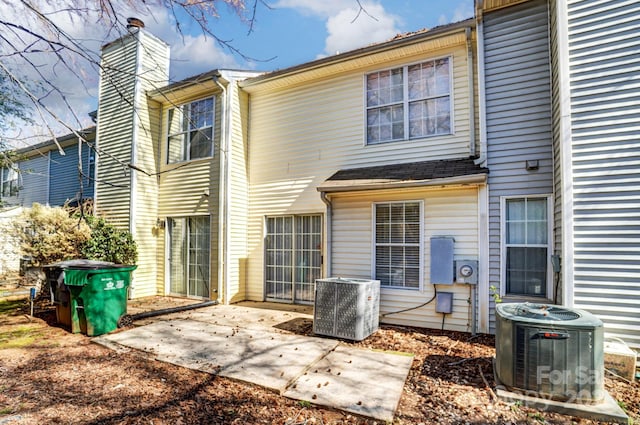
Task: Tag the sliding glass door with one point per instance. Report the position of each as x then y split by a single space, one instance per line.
189 256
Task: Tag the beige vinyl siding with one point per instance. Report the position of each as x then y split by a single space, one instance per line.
301 135
128 133
239 193
447 212
153 67
115 130
190 189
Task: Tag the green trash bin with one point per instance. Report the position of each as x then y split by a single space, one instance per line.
98 297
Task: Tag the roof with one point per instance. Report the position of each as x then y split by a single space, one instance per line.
398 40
65 140
424 173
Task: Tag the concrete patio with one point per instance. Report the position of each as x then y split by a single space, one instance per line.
250 342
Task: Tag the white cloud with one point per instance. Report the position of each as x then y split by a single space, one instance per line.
347 26
346 34
463 10
320 8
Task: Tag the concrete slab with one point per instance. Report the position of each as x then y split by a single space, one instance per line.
269 359
364 382
607 411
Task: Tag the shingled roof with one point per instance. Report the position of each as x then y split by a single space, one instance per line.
424 173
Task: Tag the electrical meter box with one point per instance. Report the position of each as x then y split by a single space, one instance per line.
467 272
442 260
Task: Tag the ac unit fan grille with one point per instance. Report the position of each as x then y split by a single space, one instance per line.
544 312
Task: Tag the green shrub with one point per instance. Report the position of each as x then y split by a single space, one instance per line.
108 243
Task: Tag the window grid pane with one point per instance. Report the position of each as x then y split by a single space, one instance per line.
397 244
190 131
422 91
526 245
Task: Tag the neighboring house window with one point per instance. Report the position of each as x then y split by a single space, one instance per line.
398 244
410 102
526 246
91 169
9 182
191 131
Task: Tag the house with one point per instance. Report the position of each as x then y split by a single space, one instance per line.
344 166
558 88
48 173
357 163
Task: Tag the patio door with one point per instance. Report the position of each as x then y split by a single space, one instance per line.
189 256
293 257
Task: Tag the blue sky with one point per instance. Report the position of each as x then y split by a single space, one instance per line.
297 31
291 32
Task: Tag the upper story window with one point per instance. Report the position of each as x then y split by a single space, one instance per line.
190 130
410 102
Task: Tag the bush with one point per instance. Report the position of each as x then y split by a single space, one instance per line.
108 243
49 235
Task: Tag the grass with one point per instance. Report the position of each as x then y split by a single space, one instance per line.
22 336
8 307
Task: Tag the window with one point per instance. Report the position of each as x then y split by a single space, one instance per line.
409 102
293 257
189 250
398 244
9 182
526 246
191 131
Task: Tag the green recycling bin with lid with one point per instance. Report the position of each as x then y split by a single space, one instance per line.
99 295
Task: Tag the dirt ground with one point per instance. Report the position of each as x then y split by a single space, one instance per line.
48 375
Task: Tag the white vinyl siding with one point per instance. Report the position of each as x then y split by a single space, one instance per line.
603 159
446 212
324 132
398 244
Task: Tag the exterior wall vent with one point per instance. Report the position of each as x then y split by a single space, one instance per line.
550 352
346 308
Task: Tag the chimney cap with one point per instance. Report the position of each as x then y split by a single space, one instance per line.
134 23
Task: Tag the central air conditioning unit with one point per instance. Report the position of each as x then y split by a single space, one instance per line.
550 352
346 308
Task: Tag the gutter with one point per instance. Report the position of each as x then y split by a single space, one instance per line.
482 112
329 226
223 198
472 107
377 185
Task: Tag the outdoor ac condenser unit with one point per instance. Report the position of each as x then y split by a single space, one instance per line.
550 352
346 308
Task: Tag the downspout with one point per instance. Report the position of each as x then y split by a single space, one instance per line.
482 113
327 201
472 103
223 201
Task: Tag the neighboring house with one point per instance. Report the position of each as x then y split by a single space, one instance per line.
356 162
48 173
557 86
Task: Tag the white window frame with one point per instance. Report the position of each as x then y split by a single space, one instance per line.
503 246
11 175
187 132
420 286
405 102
